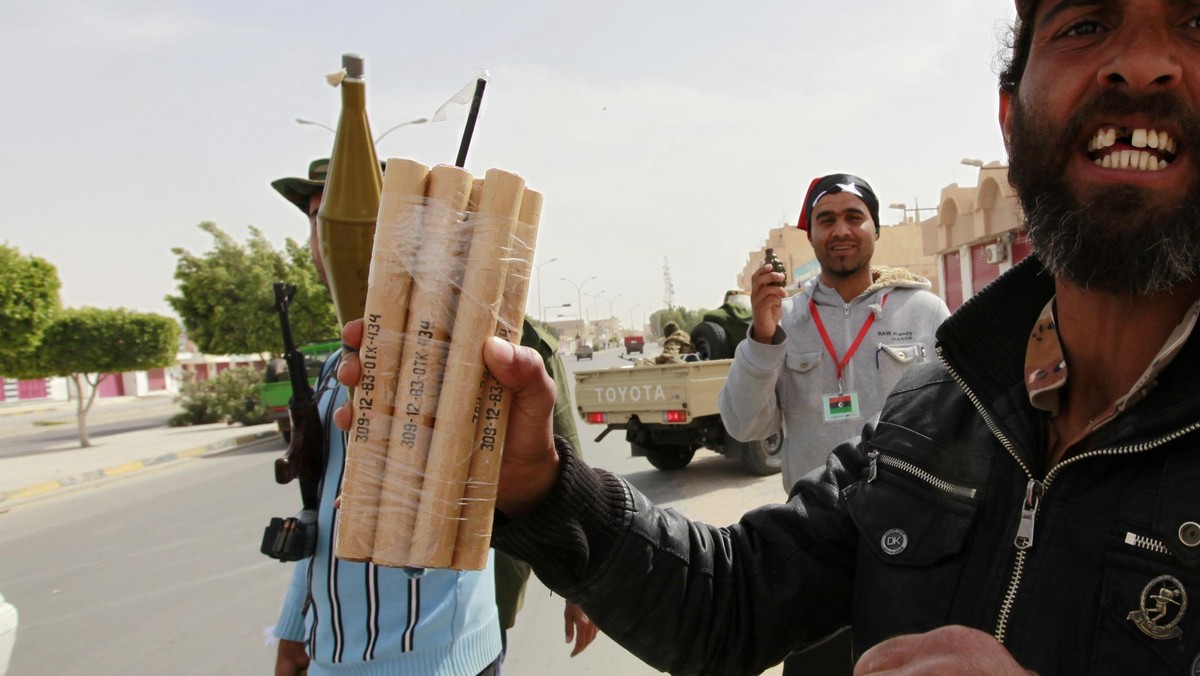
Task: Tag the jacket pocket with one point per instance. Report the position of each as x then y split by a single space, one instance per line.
1148 607
914 521
893 360
801 362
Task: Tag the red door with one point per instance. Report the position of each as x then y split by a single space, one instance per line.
982 272
111 386
31 389
1021 247
156 380
953 292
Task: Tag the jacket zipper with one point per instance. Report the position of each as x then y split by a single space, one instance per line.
1147 543
1035 490
912 470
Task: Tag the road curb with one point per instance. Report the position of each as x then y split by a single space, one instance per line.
42 489
7 412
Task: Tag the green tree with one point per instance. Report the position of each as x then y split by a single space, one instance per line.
684 318
28 302
84 345
227 302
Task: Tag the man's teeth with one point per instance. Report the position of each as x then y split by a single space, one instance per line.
1139 138
1131 159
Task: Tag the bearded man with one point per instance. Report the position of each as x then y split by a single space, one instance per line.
1026 501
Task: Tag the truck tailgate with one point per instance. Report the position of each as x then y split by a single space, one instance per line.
649 391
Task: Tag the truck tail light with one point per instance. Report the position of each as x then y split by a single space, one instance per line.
675 416
597 418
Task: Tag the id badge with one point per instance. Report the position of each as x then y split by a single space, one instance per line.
838 407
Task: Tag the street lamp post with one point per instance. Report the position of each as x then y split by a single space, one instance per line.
610 310
301 120
916 209
538 268
597 327
579 297
546 307
419 120
596 303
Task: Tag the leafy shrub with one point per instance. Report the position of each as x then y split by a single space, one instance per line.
231 397
198 398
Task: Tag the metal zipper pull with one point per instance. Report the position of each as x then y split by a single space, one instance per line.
1029 508
873 469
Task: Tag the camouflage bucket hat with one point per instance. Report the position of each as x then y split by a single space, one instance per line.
299 190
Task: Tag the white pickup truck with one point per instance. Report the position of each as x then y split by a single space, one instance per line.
668 411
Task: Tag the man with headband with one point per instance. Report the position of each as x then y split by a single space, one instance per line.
1026 500
824 359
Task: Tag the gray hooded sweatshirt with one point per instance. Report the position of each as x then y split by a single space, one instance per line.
794 379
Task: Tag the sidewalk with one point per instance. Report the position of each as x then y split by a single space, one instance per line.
40 467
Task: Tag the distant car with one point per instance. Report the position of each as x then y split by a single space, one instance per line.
584 351
8 633
634 344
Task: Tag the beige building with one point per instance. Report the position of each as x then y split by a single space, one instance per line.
977 233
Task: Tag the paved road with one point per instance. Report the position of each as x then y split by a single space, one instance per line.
159 571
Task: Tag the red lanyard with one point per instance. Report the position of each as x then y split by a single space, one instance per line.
862 333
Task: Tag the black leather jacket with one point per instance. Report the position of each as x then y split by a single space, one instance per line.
941 513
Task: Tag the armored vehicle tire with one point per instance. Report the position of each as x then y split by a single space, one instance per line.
667 458
763 456
710 341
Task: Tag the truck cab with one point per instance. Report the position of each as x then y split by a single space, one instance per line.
634 344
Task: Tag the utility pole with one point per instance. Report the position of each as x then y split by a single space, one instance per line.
668 287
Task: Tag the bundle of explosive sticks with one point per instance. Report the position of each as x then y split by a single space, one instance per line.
449 268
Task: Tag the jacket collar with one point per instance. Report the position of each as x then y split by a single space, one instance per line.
984 342
882 277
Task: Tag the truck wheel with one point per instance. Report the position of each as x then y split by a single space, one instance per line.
762 457
666 458
710 341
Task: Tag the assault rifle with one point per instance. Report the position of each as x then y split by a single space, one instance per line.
294 538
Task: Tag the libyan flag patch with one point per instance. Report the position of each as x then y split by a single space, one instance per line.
840 406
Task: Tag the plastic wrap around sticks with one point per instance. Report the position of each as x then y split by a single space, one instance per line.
450 267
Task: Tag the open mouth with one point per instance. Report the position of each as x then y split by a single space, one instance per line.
1143 149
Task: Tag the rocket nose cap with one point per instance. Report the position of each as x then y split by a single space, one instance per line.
353 63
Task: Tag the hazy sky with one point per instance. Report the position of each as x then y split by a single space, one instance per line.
655 130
